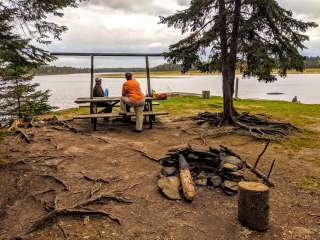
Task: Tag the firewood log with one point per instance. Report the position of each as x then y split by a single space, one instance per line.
253 205
186 179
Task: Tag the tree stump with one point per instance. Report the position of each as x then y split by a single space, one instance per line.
253 205
206 94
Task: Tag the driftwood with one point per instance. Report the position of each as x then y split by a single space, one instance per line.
187 184
253 205
256 126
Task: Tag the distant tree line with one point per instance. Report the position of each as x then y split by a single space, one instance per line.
310 62
54 70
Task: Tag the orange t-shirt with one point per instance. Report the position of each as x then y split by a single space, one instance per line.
132 90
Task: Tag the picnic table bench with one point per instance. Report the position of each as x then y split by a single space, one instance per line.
114 101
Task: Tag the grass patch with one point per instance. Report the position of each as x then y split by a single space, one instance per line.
300 115
309 183
297 114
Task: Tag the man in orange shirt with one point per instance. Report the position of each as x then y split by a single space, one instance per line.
133 97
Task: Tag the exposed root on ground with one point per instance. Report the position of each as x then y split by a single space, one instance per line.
79 209
56 179
257 126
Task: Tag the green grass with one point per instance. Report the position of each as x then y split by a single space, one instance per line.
300 115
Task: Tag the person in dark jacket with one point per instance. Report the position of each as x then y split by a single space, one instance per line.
98 92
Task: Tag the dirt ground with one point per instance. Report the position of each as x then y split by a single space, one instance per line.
111 154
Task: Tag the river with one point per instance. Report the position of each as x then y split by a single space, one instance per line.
66 88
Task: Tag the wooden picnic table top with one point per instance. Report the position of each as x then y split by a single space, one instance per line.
102 99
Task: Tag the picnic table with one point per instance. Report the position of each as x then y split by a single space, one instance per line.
113 101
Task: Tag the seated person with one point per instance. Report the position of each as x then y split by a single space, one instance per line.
133 97
98 92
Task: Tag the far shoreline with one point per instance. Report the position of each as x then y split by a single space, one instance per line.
173 74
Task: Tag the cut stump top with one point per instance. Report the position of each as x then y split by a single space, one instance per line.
253 186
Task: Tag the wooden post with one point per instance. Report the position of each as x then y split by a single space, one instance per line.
237 88
253 205
149 104
148 77
93 120
206 94
92 76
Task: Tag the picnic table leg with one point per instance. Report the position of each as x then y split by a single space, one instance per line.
93 110
150 121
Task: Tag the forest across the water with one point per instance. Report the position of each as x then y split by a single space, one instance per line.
312 65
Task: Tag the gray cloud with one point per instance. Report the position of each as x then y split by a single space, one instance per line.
310 8
153 7
132 26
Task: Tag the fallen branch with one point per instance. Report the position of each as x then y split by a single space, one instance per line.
261 154
144 154
102 180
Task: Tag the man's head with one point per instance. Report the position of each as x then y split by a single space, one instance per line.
128 76
98 81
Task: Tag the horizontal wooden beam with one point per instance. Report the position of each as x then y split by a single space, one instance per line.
107 54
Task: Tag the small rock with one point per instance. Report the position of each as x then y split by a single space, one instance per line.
230 187
205 125
168 171
215 181
201 182
192 156
232 160
238 173
170 187
86 220
230 167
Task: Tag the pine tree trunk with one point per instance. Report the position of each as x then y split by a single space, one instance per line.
227 85
227 98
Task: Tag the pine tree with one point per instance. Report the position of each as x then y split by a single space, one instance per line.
255 36
19 97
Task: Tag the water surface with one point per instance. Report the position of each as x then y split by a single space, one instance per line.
66 88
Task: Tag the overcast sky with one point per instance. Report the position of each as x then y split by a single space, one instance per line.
132 26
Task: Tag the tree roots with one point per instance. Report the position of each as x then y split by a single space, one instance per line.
257 126
79 209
